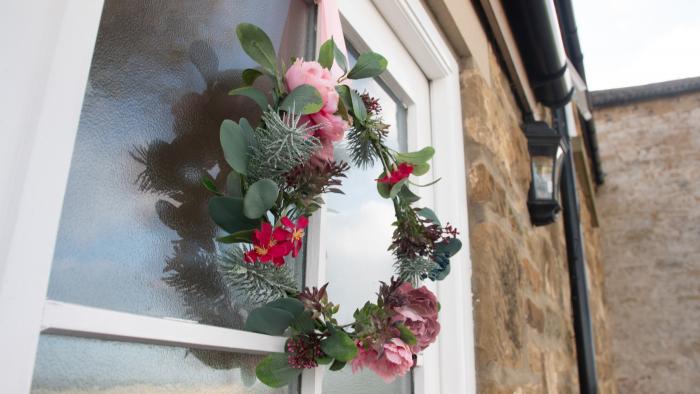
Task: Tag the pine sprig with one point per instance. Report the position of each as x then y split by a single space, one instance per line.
281 145
255 283
414 270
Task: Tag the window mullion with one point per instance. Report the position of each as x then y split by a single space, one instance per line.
84 321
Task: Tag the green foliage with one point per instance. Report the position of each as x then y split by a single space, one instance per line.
281 145
368 65
260 197
421 169
209 185
397 187
250 75
255 283
233 185
416 158
252 93
303 100
274 371
414 270
448 249
227 213
337 365
258 46
339 345
428 214
407 195
238 236
358 106
326 54
406 334
268 320
235 142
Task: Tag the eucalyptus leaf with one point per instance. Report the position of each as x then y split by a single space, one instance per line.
258 46
407 195
268 320
304 100
419 157
325 360
337 365
250 75
289 304
396 188
248 131
303 322
339 345
274 371
260 197
449 248
227 213
420 169
252 93
368 65
234 143
326 54
233 185
428 213
384 189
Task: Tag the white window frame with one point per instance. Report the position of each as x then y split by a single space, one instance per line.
46 149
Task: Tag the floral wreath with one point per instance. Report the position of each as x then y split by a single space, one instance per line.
279 170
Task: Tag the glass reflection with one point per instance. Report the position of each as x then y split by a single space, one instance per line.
359 229
80 366
135 235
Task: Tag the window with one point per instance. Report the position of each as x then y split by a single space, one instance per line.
130 285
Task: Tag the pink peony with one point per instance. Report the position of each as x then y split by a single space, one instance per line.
395 360
331 127
419 314
311 73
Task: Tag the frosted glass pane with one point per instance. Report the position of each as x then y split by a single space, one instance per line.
135 235
81 366
359 232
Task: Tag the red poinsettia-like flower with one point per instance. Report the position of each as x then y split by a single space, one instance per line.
397 175
295 232
269 245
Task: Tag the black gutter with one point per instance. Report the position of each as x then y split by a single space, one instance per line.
585 347
572 45
534 25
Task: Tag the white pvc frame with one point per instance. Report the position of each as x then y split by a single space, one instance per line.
24 273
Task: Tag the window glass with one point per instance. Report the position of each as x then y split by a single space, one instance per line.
359 229
135 235
81 365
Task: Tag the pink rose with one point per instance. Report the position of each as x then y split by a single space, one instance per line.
331 127
395 360
311 73
419 314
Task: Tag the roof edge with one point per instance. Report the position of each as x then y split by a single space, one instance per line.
633 94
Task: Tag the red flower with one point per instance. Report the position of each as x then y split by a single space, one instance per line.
269 245
295 232
398 174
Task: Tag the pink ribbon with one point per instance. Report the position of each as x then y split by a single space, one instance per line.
328 25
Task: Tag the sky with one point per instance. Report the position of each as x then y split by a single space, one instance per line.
635 42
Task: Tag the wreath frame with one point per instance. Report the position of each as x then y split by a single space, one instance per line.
279 170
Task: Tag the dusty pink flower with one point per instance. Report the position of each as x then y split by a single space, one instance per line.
311 73
419 313
396 359
331 126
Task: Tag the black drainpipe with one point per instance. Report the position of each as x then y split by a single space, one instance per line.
567 22
536 30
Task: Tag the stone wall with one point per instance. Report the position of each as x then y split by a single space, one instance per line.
522 303
650 212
